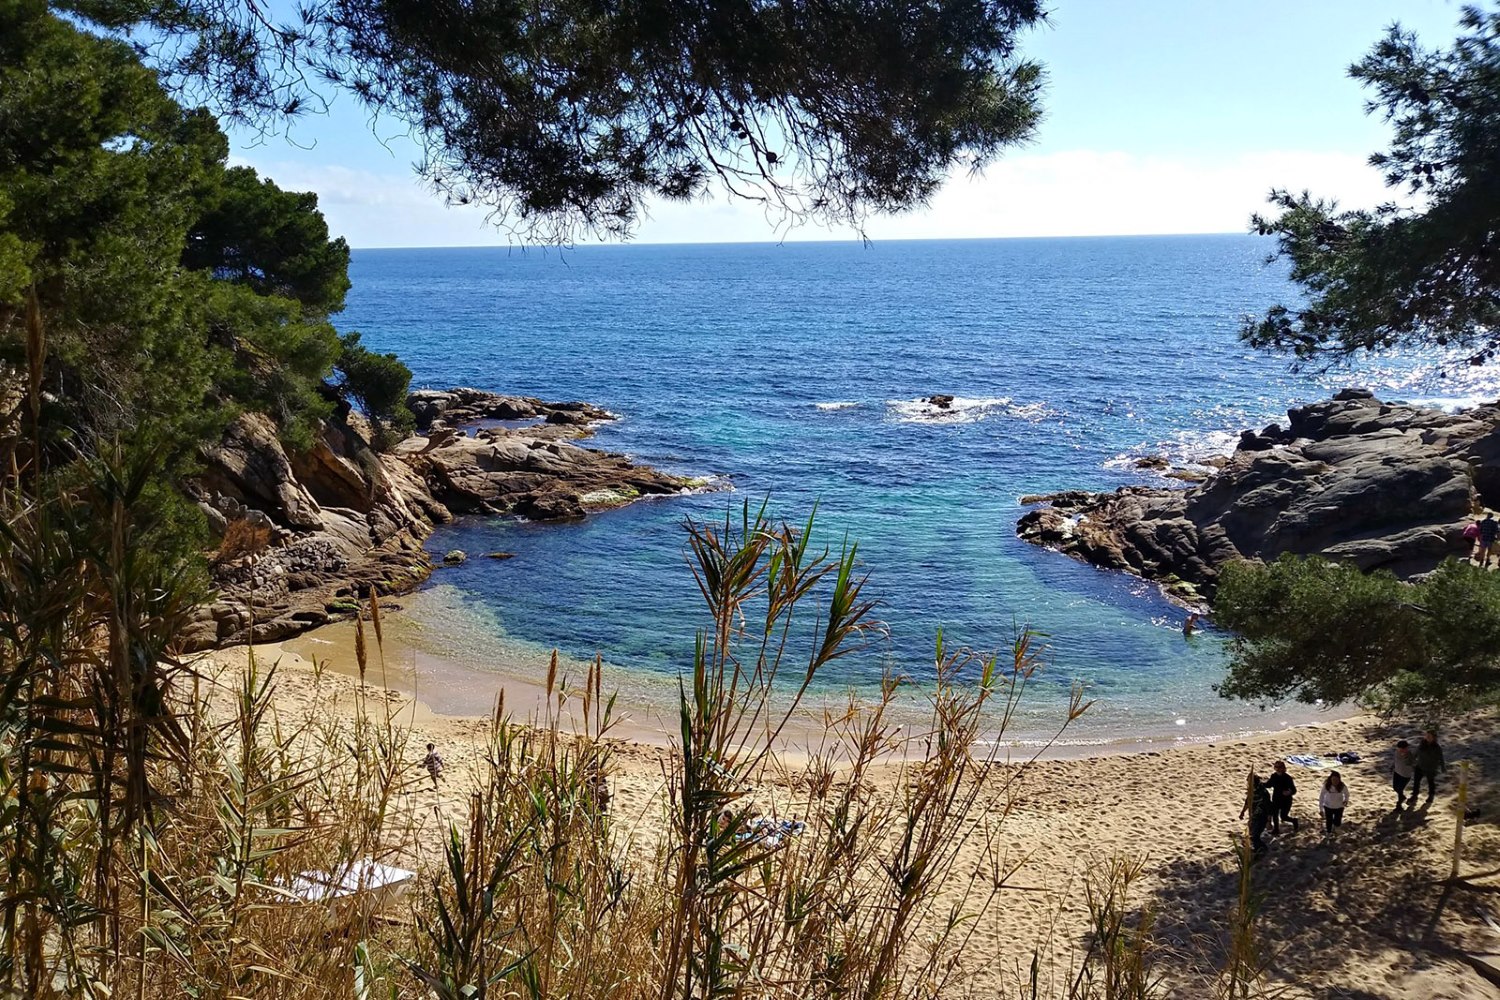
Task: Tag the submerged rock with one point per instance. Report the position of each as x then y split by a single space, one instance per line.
1382 486
455 557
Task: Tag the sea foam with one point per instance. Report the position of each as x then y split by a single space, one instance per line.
964 410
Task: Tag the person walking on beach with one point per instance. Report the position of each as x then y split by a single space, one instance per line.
1332 800
434 764
1283 788
1258 804
1489 532
1428 761
1402 768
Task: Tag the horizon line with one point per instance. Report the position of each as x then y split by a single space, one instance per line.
626 244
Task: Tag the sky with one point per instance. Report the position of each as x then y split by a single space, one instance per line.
1160 116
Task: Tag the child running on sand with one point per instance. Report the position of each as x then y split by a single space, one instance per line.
434 764
1333 799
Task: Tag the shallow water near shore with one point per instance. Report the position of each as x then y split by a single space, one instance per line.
797 373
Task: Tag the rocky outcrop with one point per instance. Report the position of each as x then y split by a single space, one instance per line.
302 533
1382 486
436 409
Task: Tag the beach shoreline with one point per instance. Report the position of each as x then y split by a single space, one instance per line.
1339 914
448 687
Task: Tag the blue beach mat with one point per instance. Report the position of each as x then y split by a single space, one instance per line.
1310 761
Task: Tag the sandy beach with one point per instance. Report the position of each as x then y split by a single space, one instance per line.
1361 916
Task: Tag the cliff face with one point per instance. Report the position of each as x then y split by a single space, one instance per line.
1382 486
303 534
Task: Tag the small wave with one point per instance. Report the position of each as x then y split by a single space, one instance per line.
1190 450
964 410
1449 404
841 404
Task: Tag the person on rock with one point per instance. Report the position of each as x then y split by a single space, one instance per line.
1283 788
1403 766
1428 761
1332 800
1489 532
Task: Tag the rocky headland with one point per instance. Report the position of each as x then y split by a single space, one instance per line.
1382 486
303 533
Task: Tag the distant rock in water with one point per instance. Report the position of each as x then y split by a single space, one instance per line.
304 534
1383 486
941 402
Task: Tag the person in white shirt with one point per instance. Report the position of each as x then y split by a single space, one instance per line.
1402 768
1332 799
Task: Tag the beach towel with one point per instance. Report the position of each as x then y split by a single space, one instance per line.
1309 760
771 832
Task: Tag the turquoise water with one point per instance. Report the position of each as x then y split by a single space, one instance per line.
795 372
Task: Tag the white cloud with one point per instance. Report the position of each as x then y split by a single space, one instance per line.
1067 193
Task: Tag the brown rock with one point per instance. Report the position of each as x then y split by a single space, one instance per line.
340 521
1382 486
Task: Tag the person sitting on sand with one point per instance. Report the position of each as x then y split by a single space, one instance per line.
1332 800
1283 788
434 764
1489 532
1258 804
1403 766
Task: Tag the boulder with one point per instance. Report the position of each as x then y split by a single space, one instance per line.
455 557
1383 486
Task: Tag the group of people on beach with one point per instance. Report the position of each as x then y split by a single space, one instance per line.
1270 799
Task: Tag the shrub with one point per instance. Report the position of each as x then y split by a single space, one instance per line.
378 383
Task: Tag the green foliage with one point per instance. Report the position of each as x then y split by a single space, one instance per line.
570 118
1316 630
251 232
1393 277
175 292
379 384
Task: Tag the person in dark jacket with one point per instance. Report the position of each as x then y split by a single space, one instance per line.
1428 761
1258 804
1489 533
1283 788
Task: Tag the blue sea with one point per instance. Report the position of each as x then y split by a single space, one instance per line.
795 373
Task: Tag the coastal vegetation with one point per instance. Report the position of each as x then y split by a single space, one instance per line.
568 122
152 292
1322 631
1392 277
1399 276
